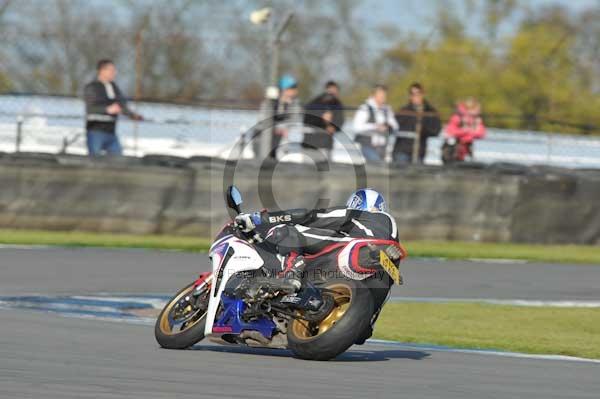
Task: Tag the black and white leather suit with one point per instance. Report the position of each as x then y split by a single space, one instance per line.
309 232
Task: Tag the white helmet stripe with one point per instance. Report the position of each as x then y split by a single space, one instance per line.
368 200
371 198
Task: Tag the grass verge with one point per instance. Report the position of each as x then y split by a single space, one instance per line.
530 252
559 331
86 239
444 249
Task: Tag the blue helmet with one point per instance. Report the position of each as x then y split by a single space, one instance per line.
368 200
287 82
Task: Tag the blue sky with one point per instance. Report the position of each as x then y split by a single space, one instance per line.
413 15
416 15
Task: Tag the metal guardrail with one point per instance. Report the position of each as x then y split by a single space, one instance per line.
54 125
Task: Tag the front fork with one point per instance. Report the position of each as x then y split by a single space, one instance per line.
204 279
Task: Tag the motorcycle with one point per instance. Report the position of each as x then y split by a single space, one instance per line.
242 303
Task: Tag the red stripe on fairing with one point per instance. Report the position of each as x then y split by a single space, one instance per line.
332 247
355 253
202 278
325 250
354 262
223 329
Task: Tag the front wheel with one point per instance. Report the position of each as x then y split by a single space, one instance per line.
349 314
182 320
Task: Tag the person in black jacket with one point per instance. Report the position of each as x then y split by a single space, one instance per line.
324 116
104 102
417 116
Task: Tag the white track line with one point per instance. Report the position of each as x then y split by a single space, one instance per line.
157 302
511 302
436 348
23 246
498 260
154 302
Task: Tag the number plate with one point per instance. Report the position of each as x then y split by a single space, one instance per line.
390 267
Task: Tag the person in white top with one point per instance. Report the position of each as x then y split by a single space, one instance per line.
373 123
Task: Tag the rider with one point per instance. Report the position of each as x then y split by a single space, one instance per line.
301 231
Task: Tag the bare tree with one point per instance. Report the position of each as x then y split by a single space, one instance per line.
495 12
324 41
4 4
5 83
59 44
172 60
588 47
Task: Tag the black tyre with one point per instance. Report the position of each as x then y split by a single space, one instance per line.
182 320
349 316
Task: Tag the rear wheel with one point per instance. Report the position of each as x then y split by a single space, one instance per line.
182 320
349 311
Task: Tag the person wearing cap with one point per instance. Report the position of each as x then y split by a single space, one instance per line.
286 114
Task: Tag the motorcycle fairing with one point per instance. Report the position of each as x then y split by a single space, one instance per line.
229 256
230 321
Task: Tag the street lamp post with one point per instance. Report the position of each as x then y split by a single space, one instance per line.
260 17
275 44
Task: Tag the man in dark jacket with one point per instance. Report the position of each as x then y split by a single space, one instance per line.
104 102
324 116
417 116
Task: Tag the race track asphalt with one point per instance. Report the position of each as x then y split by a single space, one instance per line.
44 355
87 270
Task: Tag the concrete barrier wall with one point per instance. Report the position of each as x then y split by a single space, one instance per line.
162 195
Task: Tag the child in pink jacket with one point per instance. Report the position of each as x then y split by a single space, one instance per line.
465 126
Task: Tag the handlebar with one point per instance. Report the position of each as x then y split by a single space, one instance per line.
251 236
257 237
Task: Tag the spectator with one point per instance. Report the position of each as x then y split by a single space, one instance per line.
331 98
417 116
324 116
104 102
286 111
373 123
464 127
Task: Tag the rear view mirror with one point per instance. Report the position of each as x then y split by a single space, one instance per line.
234 198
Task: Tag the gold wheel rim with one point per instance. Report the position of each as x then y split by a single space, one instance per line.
165 325
342 297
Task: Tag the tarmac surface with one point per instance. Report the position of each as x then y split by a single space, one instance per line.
51 356
88 271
